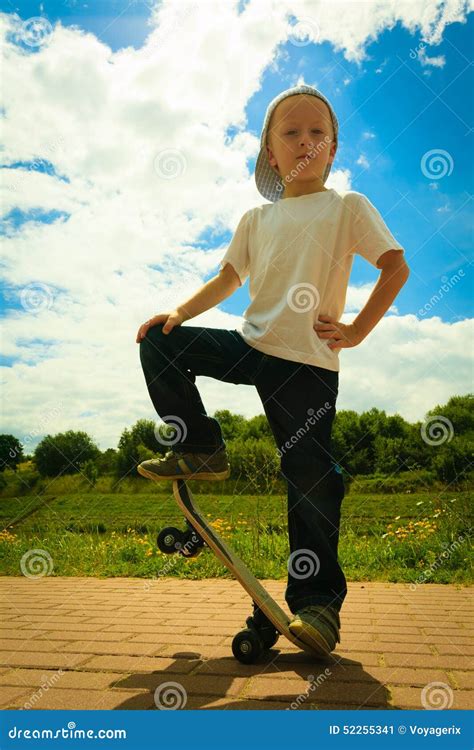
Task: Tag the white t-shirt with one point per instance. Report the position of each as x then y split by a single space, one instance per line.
298 254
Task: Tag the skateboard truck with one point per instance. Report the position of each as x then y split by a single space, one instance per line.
188 543
260 634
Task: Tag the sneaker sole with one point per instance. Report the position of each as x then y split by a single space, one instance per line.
311 637
210 475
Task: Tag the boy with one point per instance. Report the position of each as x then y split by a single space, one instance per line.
297 251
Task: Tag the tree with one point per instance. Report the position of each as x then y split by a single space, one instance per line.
11 452
129 454
91 472
257 428
232 425
459 411
347 443
65 453
107 461
452 462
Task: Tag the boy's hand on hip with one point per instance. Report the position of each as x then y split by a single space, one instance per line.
340 335
170 320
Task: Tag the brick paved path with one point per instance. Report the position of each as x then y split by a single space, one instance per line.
89 643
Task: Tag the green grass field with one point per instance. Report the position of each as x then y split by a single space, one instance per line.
416 537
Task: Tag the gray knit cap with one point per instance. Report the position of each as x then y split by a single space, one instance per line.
269 183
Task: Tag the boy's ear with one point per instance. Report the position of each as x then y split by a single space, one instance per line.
271 159
332 152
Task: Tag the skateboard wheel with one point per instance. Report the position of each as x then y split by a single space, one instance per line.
170 540
247 646
192 543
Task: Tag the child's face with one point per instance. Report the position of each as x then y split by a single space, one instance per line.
301 127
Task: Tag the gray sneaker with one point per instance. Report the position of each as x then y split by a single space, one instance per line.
187 465
318 626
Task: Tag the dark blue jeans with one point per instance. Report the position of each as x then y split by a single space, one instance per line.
299 402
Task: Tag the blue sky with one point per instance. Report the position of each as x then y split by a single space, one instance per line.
397 98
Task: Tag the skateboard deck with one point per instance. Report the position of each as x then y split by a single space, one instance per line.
235 565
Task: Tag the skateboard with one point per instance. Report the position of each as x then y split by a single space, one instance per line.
268 621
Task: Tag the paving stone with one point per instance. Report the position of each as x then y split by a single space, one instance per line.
8 695
56 699
65 679
118 640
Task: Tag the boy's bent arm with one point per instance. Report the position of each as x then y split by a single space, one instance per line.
211 293
393 276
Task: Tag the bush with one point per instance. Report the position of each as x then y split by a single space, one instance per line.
58 455
404 482
255 461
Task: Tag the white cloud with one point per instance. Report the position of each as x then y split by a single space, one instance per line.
407 365
363 161
115 125
435 62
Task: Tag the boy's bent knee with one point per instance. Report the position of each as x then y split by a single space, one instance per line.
154 333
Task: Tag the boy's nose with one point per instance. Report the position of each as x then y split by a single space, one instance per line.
305 147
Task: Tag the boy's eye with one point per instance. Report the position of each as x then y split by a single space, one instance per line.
289 132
